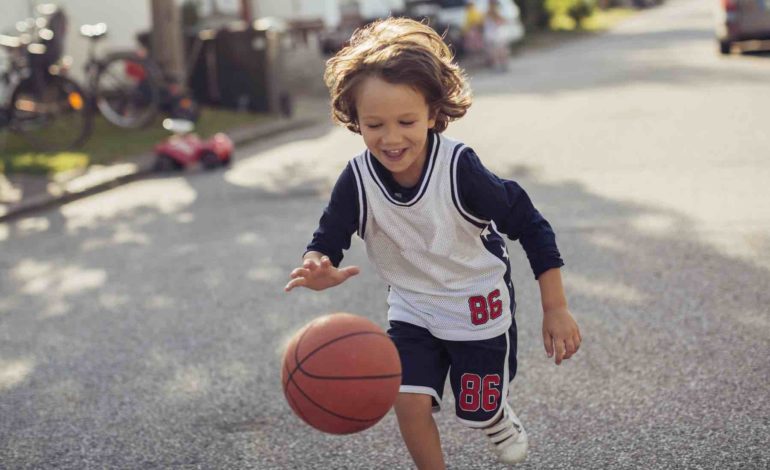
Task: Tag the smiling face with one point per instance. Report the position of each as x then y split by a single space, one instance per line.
394 121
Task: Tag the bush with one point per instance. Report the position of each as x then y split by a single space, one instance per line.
534 14
577 10
580 10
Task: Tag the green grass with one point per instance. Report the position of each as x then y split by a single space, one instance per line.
109 143
564 29
601 20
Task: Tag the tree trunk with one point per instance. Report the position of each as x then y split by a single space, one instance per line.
167 42
246 14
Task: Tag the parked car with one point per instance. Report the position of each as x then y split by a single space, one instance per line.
741 20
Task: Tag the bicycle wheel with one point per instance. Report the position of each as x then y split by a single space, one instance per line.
50 113
127 89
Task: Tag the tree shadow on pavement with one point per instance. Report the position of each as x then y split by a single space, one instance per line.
144 327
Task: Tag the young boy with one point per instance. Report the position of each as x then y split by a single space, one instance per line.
432 216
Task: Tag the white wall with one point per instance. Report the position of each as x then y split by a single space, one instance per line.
327 10
124 19
12 11
379 8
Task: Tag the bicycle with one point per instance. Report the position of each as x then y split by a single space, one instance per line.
48 110
128 88
125 86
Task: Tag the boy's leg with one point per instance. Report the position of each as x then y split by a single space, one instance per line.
424 366
419 430
480 374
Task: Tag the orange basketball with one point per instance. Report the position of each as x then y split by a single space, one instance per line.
341 373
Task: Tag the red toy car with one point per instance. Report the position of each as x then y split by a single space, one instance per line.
186 148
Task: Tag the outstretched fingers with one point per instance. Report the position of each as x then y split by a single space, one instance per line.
349 271
299 272
296 282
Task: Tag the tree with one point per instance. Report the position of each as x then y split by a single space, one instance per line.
166 40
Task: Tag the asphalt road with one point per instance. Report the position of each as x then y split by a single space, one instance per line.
142 327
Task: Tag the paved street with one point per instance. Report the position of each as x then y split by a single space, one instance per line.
142 327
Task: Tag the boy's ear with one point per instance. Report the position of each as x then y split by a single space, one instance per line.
432 118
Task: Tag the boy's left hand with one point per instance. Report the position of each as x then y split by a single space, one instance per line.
560 334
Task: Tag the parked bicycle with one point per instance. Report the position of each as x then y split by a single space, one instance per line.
128 88
48 110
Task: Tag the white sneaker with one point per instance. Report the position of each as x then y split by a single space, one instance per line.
509 439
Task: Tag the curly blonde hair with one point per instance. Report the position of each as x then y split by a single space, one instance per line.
399 51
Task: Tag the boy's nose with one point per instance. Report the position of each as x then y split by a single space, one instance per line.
391 136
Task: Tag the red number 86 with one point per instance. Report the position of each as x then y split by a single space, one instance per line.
483 309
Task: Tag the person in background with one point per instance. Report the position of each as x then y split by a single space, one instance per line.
473 27
495 37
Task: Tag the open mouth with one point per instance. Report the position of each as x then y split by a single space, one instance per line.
394 155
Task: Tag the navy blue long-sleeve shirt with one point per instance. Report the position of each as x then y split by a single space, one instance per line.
482 193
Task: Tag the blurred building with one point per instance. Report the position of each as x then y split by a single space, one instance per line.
125 18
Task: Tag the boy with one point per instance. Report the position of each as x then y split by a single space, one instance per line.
431 217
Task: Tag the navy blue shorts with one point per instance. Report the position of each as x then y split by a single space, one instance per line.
479 371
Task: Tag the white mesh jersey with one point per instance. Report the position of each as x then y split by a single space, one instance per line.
448 270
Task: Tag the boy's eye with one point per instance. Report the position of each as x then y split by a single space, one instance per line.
373 126
407 123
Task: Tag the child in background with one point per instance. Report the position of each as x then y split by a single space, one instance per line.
432 218
473 29
495 37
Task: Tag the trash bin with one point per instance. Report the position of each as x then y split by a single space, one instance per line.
242 67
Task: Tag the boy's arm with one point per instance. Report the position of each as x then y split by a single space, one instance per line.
319 269
561 334
489 197
339 220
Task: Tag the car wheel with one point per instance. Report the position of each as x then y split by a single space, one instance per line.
165 164
724 47
209 160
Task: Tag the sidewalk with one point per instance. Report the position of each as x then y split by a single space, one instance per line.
21 193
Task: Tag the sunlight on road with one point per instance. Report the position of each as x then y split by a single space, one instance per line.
56 283
188 382
124 234
603 290
265 273
13 373
165 195
297 165
44 278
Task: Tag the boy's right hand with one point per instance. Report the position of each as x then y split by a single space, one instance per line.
319 274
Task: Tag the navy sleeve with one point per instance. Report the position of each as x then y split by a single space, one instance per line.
488 197
339 220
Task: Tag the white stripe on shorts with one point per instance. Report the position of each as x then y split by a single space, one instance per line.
422 391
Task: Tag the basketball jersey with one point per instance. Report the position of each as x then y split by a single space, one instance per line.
448 270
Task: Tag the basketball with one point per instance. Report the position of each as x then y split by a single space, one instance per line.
341 373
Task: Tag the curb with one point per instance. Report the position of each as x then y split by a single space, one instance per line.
102 178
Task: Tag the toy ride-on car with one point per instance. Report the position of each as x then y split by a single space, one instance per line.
185 148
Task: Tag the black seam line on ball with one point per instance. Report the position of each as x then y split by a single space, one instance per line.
296 349
347 377
293 400
337 415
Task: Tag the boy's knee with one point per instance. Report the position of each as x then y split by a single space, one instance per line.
413 405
